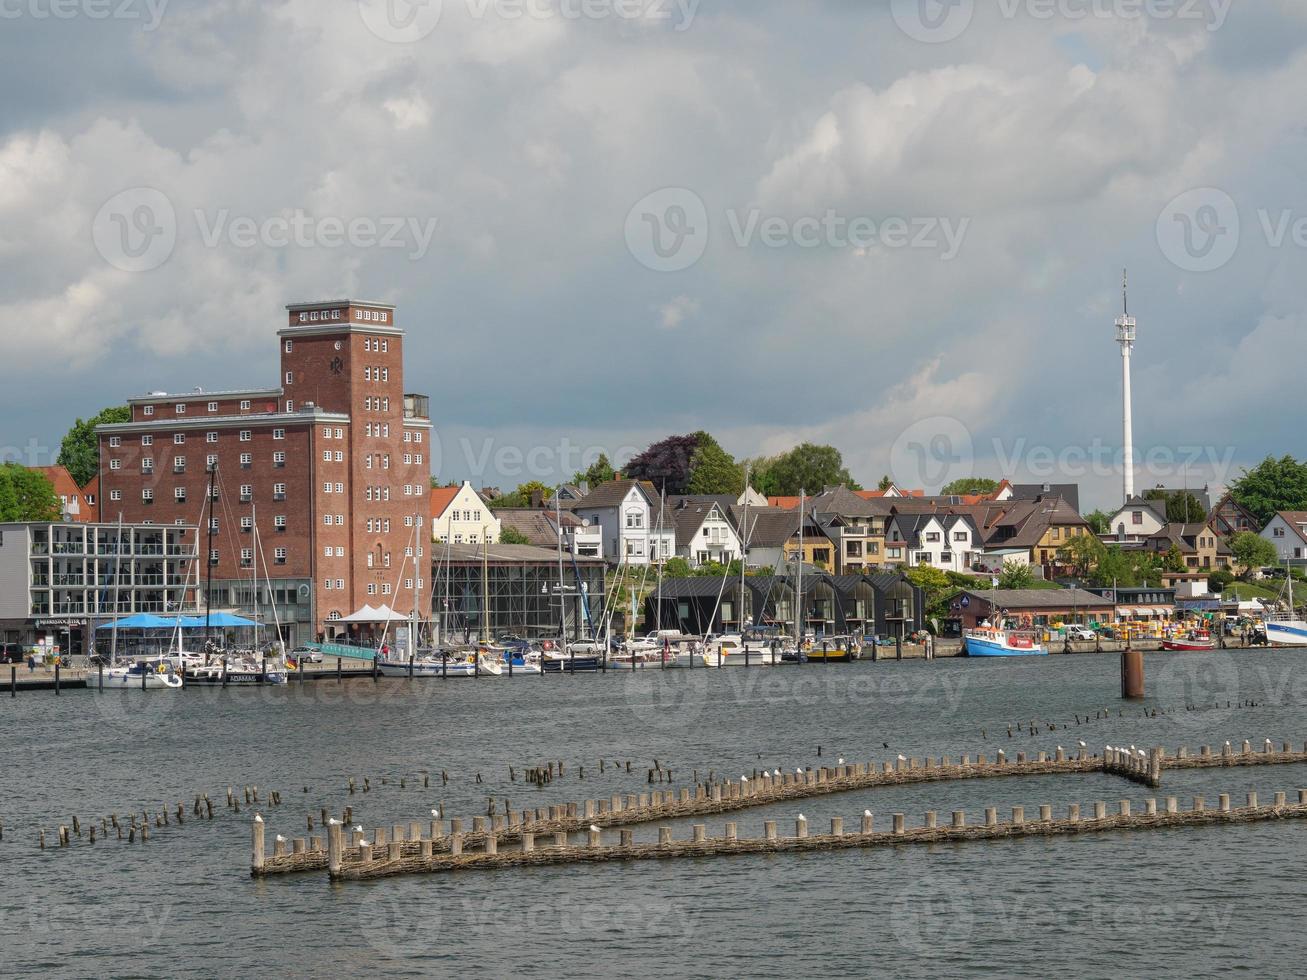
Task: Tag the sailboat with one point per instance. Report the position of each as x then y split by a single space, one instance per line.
141 675
1287 629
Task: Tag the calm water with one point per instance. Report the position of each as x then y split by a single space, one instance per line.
1167 903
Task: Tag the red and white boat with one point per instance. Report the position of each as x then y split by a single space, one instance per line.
1194 640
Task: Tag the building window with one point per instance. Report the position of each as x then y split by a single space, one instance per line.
213 523
326 520
326 585
213 556
289 346
179 494
213 406
279 556
247 493
340 488
211 460
147 440
279 460
245 435
245 405
340 584
179 438
290 405
115 464
340 456
147 410
290 377
247 460
115 495
147 495
279 522
115 442
372 588
340 520
247 557
279 491
179 464
180 408
340 434
384 346
326 488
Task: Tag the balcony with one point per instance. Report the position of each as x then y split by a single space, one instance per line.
417 407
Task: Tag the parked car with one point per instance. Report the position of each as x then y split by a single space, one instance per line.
11 653
1075 631
306 655
1107 632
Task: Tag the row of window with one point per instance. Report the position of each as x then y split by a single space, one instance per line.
279 522
180 407
378 404
376 373
179 493
247 556
179 438
338 585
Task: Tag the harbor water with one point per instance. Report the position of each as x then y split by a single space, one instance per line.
182 904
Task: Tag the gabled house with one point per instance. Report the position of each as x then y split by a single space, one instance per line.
1138 519
633 527
704 531
766 535
460 516
1031 532
1199 545
1287 530
78 505
1229 517
540 528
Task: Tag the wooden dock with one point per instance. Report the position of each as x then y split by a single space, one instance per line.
420 841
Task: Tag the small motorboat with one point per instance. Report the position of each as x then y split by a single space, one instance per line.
990 641
1194 640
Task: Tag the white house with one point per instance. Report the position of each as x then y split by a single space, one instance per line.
704 533
460 516
945 541
1287 530
627 512
1139 518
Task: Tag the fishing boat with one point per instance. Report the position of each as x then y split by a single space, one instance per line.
1194 640
1287 629
991 641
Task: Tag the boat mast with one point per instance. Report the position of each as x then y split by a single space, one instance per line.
485 588
255 579
117 575
562 609
658 611
798 589
744 545
208 559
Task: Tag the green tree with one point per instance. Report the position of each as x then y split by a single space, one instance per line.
713 469
26 495
1271 486
79 453
1174 561
1082 554
1218 580
521 497
600 471
1016 575
1100 522
1251 551
937 586
677 568
511 535
762 474
1182 507
970 485
1115 567
885 483
812 468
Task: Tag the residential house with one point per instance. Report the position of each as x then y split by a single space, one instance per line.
569 493
634 528
1229 517
856 527
769 532
704 531
1031 532
540 528
1138 519
460 516
1069 492
78 505
1287 530
1198 544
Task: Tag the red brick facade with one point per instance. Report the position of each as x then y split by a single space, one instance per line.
332 465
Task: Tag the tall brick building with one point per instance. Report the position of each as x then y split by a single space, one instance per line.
332 466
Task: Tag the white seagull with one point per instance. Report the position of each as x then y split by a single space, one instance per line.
594 829
1082 744
902 757
840 761
776 772
744 778
866 813
435 813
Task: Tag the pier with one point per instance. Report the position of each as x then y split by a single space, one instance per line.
559 821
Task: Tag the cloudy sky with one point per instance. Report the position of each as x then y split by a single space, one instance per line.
898 227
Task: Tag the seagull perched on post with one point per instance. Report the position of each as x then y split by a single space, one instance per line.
840 760
594 829
776 772
435 812
866 813
1082 744
744 778
902 757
